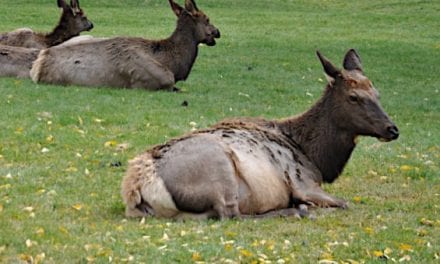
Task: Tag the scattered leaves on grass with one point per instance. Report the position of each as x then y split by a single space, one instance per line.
405 168
405 258
405 247
30 243
45 150
77 207
40 231
110 143
196 256
426 222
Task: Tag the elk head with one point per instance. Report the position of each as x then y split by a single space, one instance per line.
205 32
354 101
73 18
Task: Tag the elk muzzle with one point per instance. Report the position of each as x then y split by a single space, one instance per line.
392 133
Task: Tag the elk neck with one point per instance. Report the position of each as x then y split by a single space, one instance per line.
328 146
184 48
58 35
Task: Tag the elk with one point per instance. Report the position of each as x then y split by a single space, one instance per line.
16 61
252 167
130 62
71 24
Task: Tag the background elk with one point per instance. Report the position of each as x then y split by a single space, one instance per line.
130 62
72 22
257 167
20 48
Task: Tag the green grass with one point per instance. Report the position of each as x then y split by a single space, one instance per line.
60 192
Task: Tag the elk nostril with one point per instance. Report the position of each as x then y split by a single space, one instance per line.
394 131
217 33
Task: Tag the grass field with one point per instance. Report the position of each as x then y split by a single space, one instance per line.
64 150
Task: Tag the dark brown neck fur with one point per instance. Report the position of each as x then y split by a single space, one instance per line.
328 146
180 50
59 34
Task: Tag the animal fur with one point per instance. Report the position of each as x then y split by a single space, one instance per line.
256 167
130 62
72 22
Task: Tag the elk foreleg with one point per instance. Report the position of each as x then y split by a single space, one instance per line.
319 198
299 212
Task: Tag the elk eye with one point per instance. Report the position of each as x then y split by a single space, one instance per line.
353 98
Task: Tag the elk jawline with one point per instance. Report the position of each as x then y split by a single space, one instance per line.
382 139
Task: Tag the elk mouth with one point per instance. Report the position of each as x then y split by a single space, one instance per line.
210 40
392 133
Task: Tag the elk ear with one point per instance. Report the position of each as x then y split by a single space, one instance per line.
62 4
332 73
191 6
74 4
352 61
177 9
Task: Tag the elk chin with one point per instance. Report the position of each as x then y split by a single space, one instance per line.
382 139
209 41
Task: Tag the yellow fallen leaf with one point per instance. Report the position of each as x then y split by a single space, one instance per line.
63 230
228 247
49 138
77 207
405 168
387 251
26 258
196 256
357 199
40 231
110 143
326 256
71 169
405 247
39 258
29 243
369 230
426 222
378 253
28 209
405 258
245 253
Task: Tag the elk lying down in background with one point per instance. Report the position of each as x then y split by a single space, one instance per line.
20 48
16 61
130 62
257 168
72 22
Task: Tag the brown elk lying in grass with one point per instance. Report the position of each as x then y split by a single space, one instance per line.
72 22
130 62
258 168
20 48
16 61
